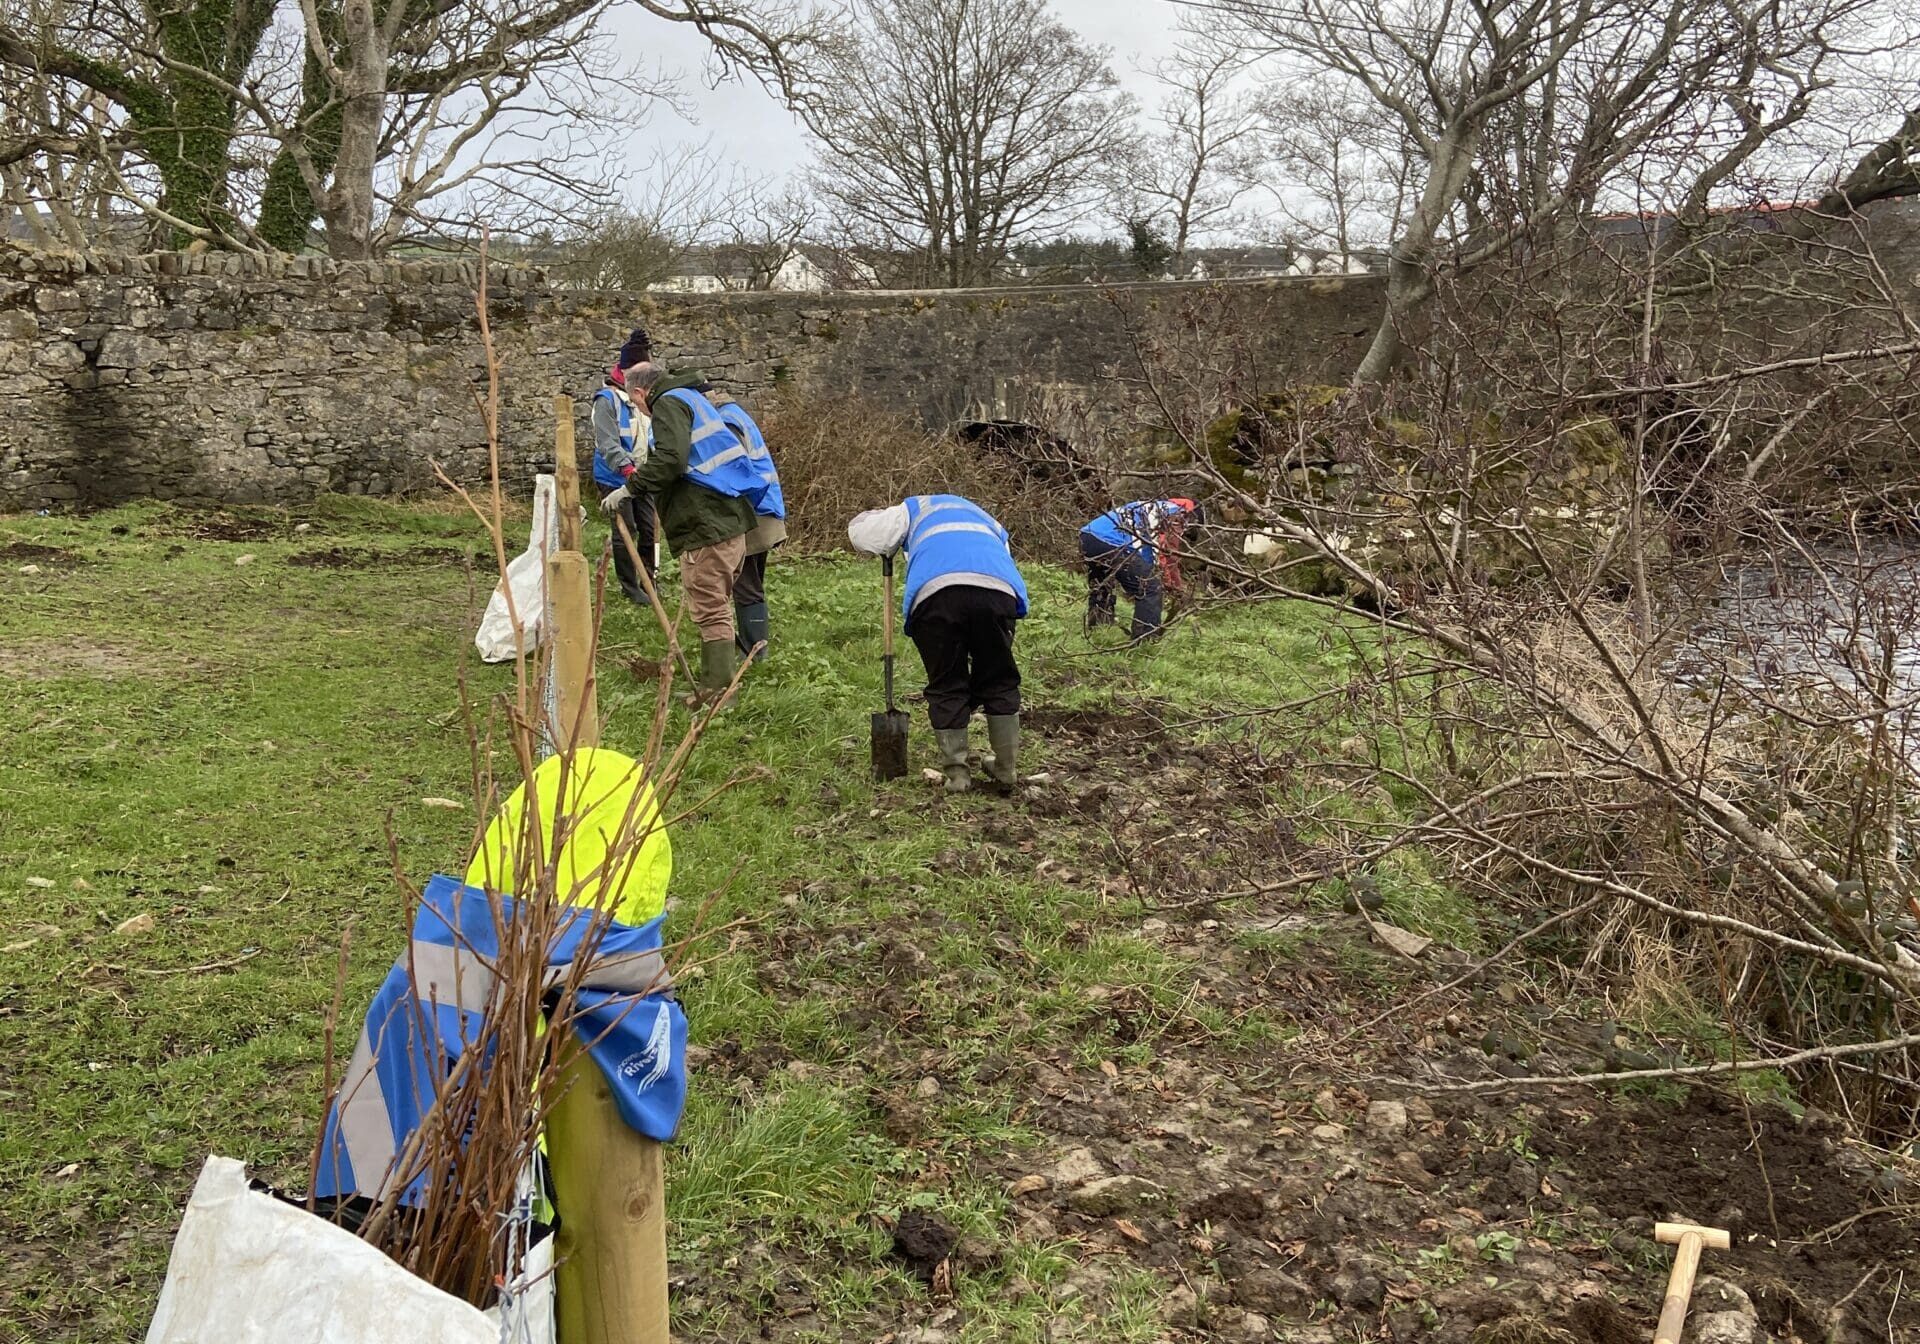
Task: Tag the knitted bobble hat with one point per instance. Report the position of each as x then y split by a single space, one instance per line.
637 349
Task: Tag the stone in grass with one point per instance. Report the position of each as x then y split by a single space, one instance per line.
137 925
1252 1325
1113 1194
1408 944
1180 1308
1387 1117
1722 1313
1076 1167
1355 1287
1272 1291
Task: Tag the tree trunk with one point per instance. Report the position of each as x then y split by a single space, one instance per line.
1408 288
348 209
1409 267
287 205
189 136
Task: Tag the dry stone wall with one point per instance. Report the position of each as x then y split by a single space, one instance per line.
233 379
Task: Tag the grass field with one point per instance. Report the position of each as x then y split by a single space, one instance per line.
209 724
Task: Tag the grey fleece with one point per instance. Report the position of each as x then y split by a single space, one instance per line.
606 437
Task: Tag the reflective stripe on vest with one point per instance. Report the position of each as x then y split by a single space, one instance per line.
602 473
766 499
1131 525
431 1009
949 537
716 456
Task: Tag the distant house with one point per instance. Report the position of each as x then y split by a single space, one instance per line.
1318 261
1892 219
805 269
1239 263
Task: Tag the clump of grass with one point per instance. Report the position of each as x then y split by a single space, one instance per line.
767 1161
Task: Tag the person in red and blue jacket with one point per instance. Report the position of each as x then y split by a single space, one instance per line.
1135 548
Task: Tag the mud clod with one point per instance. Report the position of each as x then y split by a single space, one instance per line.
923 1241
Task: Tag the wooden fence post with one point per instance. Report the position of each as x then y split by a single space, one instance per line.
609 1183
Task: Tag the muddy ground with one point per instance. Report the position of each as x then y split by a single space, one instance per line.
1303 1189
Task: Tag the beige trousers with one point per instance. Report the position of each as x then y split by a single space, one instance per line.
706 578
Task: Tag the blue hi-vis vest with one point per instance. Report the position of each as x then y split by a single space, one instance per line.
767 501
430 1011
602 473
948 536
717 457
1131 526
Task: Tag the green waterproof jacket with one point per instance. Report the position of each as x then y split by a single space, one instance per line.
691 516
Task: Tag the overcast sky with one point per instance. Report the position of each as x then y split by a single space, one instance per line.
756 132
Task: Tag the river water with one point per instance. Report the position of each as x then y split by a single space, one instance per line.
1829 631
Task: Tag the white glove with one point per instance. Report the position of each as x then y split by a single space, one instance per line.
615 500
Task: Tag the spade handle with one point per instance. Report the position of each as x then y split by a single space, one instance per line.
1688 1241
886 617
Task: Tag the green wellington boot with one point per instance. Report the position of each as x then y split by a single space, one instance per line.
719 659
1003 736
953 758
753 623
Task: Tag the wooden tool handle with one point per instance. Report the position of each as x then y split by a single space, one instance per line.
1673 1312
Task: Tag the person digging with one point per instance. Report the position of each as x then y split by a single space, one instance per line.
1136 549
702 480
963 598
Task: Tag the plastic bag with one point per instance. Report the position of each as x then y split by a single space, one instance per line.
526 576
248 1268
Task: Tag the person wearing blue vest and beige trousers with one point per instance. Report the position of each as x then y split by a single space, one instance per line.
619 444
963 597
702 481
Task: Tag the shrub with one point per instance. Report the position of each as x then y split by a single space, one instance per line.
839 454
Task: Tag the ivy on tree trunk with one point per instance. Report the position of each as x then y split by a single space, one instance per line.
182 114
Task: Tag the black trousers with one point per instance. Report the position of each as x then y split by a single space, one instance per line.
965 638
751 586
1110 566
637 510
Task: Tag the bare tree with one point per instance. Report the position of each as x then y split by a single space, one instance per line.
1520 111
171 72
501 107
60 144
763 227
1344 179
952 129
672 201
400 105
1633 647
383 119
1202 155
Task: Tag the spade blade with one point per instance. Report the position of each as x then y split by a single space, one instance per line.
890 745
